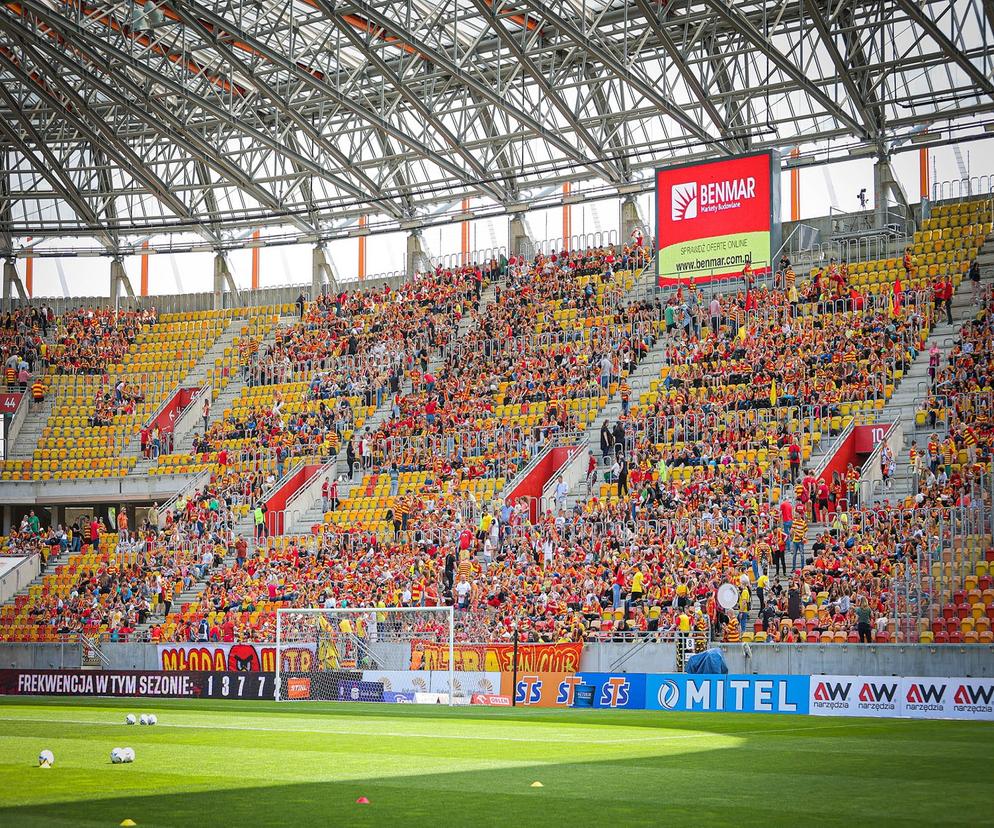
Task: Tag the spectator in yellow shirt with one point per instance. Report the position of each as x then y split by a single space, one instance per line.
638 586
762 582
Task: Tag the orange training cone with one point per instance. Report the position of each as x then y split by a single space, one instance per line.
362 801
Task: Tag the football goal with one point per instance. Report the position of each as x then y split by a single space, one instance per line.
367 654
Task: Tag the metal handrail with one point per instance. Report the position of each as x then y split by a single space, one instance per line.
197 483
90 644
833 449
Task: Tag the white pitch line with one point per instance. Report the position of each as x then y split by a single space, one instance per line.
394 734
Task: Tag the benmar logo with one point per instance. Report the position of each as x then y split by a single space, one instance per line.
689 200
528 690
683 201
614 692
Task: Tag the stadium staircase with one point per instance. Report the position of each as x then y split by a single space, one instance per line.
36 418
650 368
906 400
31 429
196 377
313 513
645 372
224 398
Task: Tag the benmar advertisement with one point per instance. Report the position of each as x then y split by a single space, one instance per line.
715 217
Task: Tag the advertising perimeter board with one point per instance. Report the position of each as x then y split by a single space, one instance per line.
715 217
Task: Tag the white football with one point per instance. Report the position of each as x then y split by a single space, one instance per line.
143 719
130 719
129 754
117 756
151 719
46 759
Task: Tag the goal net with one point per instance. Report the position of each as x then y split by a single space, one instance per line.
367 654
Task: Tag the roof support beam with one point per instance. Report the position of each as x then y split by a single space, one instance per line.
369 193
74 108
502 155
916 13
152 112
691 79
625 74
841 68
497 193
487 93
323 86
50 168
738 21
486 11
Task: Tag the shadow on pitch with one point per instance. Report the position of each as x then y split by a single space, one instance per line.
570 795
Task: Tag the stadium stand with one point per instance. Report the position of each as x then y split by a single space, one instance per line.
706 413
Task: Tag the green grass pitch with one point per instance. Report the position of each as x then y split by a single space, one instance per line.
217 763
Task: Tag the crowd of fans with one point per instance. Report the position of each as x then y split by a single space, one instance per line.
706 479
947 466
649 556
558 333
87 340
116 578
22 345
347 352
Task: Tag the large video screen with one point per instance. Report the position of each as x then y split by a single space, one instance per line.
714 217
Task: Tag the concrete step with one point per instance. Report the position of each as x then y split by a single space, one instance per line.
54 561
224 401
31 430
198 374
907 397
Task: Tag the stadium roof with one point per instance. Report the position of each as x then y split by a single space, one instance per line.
194 120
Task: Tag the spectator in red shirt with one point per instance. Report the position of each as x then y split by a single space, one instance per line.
794 458
618 586
810 484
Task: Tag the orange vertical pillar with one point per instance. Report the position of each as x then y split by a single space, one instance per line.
795 188
567 218
923 171
362 250
465 233
29 276
255 262
144 281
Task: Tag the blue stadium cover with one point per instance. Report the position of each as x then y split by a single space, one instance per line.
710 661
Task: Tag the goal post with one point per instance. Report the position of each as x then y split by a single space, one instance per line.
368 654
